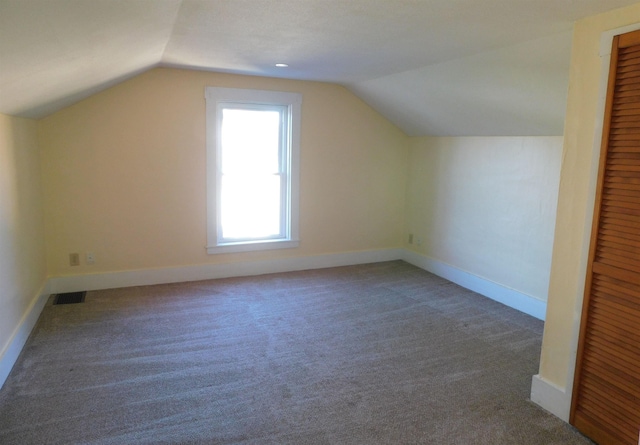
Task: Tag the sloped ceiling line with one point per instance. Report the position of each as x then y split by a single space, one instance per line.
417 62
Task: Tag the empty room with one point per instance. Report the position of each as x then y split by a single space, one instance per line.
320 222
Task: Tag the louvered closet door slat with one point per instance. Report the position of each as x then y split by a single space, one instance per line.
617 202
627 112
599 407
628 96
629 120
620 241
606 394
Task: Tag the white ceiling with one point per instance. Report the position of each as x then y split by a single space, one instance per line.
434 67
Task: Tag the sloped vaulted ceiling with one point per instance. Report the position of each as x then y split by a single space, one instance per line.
434 67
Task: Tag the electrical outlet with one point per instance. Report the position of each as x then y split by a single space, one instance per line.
419 241
90 258
74 259
411 238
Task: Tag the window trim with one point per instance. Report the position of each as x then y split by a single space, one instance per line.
292 102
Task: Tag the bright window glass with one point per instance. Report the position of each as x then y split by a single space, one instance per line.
251 174
252 169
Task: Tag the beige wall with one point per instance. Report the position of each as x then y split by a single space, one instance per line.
576 195
124 174
486 205
22 258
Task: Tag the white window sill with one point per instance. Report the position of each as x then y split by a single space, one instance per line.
249 246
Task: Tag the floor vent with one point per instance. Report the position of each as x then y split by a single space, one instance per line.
70 298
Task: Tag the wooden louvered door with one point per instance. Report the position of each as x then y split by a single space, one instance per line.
606 393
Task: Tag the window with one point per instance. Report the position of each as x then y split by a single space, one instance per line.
253 139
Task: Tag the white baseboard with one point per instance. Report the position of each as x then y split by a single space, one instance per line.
109 280
76 283
502 294
551 397
20 335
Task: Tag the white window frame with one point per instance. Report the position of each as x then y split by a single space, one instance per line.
216 99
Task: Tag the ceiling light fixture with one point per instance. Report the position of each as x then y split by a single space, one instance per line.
282 65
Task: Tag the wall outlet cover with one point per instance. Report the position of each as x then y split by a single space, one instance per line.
74 259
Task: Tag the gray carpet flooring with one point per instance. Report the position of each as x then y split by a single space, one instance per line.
374 354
